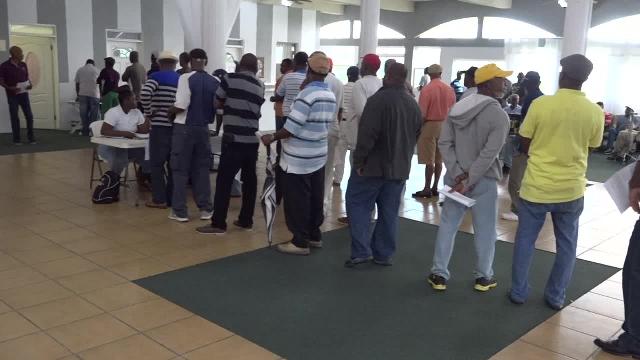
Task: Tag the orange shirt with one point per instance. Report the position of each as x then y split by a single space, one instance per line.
436 99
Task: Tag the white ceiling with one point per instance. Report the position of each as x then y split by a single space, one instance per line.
337 6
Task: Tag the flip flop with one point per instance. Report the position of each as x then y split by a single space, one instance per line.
422 194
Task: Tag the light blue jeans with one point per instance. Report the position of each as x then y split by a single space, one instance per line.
531 217
484 214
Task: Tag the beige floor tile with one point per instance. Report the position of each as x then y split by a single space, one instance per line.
34 294
69 235
609 288
70 357
617 277
32 347
233 348
602 305
65 267
4 308
18 277
90 245
51 226
13 325
605 258
137 347
119 296
561 340
601 355
140 268
91 332
151 314
587 322
60 312
8 262
521 350
91 280
40 255
188 334
29 242
114 256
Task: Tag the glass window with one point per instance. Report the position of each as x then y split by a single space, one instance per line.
466 28
423 56
616 31
384 32
336 30
343 57
505 28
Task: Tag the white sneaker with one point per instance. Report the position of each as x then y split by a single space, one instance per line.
206 215
510 216
173 216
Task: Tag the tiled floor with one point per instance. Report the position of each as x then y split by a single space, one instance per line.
66 266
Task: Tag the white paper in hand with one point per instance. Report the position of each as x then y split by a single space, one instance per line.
457 197
618 187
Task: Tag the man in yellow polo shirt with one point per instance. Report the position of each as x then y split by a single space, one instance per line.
557 134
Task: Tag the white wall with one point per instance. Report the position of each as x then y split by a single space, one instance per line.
129 15
248 21
448 54
22 11
280 31
173 33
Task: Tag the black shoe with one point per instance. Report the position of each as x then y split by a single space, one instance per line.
247 227
616 347
484 284
437 282
353 262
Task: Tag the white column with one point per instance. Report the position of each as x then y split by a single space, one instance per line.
577 21
214 37
370 18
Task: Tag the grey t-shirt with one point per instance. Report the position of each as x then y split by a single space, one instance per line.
136 76
87 77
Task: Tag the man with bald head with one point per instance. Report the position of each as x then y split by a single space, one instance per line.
240 94
387 134
14 78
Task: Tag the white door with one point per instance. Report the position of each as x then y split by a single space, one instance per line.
39 57
120 50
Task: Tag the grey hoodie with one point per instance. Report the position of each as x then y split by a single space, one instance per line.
472 136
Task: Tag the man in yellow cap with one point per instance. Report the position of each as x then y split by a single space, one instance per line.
472 136
304 155
556 134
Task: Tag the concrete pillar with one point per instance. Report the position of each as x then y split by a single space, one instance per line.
577 21
370 19
214 32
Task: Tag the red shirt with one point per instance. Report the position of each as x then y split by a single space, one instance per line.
436 99
13 74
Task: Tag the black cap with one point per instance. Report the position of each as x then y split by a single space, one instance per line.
533 76
577 67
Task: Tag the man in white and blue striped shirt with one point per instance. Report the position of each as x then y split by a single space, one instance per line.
304 155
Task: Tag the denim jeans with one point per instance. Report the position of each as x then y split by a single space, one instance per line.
159 159
631 292
333 139
16 102
508 151
612 135
118 159
89 108
565 218
484 214
363 193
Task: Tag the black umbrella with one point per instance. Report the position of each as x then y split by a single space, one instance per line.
268 198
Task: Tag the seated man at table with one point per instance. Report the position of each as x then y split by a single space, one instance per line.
125 121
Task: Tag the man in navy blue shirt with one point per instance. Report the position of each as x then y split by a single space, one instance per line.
193 111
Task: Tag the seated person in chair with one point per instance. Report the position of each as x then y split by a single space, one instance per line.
125 121
621 123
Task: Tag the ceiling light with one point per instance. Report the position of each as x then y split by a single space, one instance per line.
562 3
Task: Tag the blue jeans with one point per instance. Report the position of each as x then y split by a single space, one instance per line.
89 108
119 159
631 292
484 214
363 193
565 218
612 135
508 151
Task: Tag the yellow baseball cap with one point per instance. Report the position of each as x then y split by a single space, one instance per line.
490 71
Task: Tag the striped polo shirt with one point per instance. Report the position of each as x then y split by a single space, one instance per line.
311 117
347 91
290 88
159 94
243 95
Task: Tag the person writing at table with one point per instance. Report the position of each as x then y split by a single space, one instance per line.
124 121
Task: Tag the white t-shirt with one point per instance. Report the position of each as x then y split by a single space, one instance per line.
87 76
120 121
362 90
336 87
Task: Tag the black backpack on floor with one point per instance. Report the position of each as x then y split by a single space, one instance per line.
108 191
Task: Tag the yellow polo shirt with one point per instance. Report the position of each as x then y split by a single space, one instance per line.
562 128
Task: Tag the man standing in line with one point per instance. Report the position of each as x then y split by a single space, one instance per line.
136 75
14 78
157 97
470 82
108 82
193 111
286 66
389 128
241 94
628 343
471 139
287 92
154 64
531 85
353 74
336 87
88 94
304 154
557 135
436 99
515 116
185 67
363 89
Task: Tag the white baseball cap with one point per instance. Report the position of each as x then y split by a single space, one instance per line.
167 55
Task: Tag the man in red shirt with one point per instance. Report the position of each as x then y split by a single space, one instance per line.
14 78
436 99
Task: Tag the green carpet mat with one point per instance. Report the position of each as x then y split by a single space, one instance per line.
600 169
46 140
307 308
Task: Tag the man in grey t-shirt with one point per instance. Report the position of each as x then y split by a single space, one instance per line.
135 75
88 94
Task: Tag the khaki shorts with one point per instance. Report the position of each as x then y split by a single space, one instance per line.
428 152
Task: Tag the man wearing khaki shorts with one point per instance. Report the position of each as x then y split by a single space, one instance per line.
436 99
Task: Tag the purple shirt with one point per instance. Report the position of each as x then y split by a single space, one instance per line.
110 78
13 74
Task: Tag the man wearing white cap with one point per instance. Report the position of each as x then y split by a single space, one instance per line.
157 96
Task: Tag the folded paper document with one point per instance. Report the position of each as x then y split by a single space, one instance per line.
457 197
